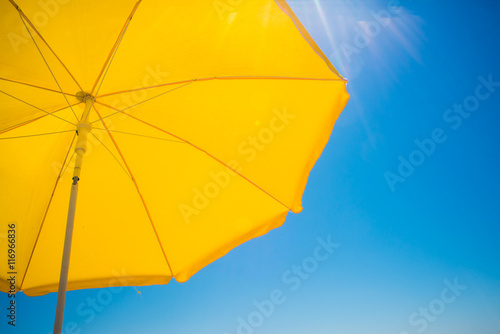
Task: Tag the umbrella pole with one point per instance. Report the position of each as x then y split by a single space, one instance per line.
63 280
83 129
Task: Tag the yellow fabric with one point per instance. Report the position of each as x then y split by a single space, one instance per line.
205 128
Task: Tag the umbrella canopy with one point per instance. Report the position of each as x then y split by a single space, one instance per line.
203 120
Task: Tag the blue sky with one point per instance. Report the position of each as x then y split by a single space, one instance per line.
419 256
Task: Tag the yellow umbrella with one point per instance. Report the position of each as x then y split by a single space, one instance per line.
193 126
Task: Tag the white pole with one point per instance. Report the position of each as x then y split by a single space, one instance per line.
83 128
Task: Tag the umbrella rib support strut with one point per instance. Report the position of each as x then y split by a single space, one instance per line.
83 129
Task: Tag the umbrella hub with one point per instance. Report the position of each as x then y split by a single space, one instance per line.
83 96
